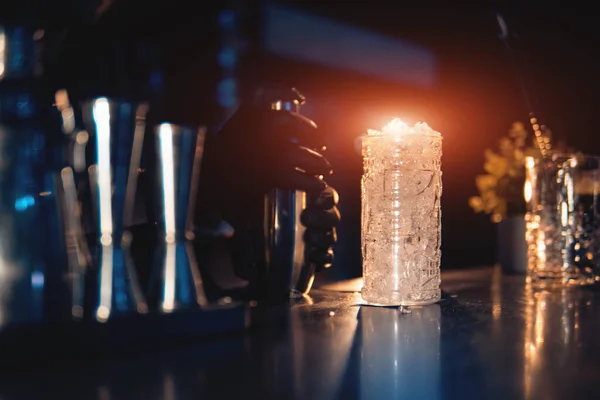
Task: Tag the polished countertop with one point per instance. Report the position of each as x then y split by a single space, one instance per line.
491 336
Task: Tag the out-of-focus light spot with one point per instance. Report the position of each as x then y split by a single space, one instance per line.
25 107
168 177
529 162
77 311
226 93
37 279
168 304
68 117
528 191
102 313
106 240
101 114
2 52
38 35
225 300
496 311
227 19
106 284
82 137
61 99
156 79
67 113
79 156
23 203
44 194
564 213
227 57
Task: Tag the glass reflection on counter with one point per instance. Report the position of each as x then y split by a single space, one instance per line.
552 336
306 358
400 355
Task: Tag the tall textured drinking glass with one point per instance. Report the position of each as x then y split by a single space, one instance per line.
543 231
401 216
579 205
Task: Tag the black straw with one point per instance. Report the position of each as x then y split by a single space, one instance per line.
526 88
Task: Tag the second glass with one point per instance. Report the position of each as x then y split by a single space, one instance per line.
543 234
563 220
578 204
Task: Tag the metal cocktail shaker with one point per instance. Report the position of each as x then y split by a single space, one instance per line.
118 128
287 271
176 283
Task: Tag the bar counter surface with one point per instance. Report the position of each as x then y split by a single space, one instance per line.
491 337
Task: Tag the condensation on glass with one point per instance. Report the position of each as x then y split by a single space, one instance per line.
579 208
543 237
401 216
562 227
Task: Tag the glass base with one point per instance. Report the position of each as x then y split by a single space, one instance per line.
551 281
401 299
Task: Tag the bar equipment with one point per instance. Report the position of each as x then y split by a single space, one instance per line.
288 273
254 174
401 216
543 221
176 282
578 206
28 224
118 129
85 180
28 219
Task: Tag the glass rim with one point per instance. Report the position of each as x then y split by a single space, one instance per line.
566 156
366 136
585 157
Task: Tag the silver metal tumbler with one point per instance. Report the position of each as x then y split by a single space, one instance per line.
176 282
288 273
118 128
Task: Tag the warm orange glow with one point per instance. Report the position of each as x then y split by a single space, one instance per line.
398 127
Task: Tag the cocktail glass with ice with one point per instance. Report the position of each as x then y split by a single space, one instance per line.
401 215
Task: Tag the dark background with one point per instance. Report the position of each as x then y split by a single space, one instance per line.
474 102
475 99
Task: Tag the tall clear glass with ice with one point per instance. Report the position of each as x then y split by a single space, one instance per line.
401 214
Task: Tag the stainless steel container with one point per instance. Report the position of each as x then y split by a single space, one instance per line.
176 283
118 130
288 273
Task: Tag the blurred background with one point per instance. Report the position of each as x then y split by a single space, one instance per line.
359 63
